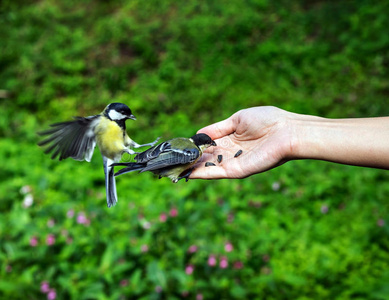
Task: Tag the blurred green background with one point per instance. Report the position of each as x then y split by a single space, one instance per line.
306 230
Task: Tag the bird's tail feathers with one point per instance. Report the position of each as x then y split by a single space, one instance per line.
130 167
110 183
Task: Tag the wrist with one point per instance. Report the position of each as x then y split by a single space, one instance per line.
306 136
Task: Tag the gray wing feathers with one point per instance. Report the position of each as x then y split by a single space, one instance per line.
152 153
172 158
73 139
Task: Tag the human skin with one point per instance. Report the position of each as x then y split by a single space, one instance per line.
270 136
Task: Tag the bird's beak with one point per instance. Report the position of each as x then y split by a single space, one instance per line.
132 117
213 143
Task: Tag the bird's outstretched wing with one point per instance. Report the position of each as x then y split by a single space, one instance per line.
74 139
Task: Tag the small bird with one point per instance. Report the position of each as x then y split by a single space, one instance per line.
173 158
77 139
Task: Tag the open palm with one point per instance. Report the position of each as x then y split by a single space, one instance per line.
260 132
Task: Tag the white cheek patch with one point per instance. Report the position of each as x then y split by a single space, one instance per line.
114 115
203 147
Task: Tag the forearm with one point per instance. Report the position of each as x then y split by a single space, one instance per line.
362 142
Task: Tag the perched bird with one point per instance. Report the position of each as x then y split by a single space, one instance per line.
77 139
174 158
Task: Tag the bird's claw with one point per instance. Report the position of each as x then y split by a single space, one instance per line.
185 175
148 144
153 143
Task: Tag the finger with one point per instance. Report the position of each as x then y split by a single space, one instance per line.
220 129
206 157
201 171
212 172
216 171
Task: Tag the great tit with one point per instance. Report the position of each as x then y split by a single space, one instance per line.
174 158
77 139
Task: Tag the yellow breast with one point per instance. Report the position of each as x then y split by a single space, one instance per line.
110 138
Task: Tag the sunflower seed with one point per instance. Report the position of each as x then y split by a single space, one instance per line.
238 153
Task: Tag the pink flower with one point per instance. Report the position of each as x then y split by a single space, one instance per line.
8 268
228 247
33 241
52 295
70 213
144 248
45 288
163 217
185 294
212 260
50 239
223 262
380 223
82 219
173 212
189 269
199 297
192 249
123 282
238 265
158 289
50 223
230 217
324 209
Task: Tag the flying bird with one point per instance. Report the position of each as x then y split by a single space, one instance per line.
78 138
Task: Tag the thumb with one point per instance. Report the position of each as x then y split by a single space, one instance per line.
220 129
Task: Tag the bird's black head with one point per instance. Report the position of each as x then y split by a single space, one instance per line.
118 112
202 140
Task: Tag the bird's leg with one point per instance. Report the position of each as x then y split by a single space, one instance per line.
136 145
185 175
130 151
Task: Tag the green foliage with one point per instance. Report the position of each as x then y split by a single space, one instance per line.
306 230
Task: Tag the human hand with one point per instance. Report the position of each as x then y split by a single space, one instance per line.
262 133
